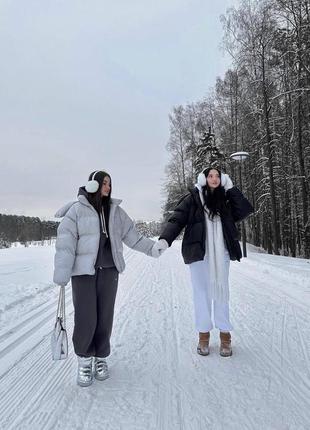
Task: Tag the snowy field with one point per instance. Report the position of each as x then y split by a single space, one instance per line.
157 381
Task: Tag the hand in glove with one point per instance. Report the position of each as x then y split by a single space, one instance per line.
159 247
226 182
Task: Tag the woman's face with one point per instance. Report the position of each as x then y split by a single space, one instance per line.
213 179
106 186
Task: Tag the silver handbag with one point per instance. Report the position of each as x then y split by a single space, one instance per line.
59 339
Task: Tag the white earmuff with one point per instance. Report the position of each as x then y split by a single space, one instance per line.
92 185
201 179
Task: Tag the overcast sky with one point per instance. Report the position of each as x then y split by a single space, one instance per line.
89 85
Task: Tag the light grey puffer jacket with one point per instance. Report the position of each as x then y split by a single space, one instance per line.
78 238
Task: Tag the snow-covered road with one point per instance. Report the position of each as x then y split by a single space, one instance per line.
157 381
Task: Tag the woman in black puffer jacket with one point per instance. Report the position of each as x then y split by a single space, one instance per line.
211 239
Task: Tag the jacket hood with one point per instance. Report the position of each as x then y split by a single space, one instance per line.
82 192
199 187
196 192
82 198
63 210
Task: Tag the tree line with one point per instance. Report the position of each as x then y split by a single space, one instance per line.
15 228
261 106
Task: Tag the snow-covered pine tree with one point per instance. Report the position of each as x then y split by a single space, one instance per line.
208 154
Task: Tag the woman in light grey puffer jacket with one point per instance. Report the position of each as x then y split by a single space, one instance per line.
89 250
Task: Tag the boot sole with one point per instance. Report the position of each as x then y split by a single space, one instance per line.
202 353
102 379
226 355
81 384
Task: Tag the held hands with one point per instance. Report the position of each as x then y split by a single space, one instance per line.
226 182
159 247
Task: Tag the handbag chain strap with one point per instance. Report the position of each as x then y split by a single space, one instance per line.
61 308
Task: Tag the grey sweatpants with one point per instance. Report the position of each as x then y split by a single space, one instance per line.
93 300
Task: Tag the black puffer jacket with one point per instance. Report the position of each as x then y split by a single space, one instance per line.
189 213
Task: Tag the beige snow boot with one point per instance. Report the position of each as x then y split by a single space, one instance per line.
225 347
203 345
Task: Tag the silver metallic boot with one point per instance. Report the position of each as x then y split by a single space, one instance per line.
101 371
85 371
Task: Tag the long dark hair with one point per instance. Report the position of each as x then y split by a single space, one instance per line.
95 199
215 199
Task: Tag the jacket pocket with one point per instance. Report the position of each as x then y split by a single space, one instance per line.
193 233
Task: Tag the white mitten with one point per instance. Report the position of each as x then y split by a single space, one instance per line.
159 247
226 182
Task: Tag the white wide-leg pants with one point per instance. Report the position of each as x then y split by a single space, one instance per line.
203 304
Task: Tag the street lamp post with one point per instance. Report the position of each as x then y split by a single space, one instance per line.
241 156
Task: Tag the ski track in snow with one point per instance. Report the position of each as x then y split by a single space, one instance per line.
157 380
